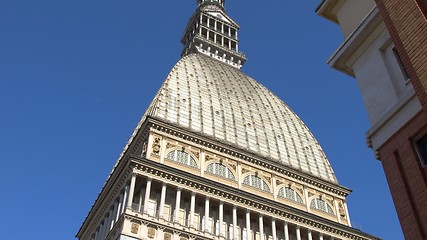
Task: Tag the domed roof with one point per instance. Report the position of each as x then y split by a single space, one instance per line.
220 101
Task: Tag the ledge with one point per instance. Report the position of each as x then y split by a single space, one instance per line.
355 44
384 128
326 10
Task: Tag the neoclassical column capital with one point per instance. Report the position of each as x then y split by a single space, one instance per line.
164 184
193 194
178 188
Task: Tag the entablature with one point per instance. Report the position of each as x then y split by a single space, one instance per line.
245 200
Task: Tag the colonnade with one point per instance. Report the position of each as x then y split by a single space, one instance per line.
228 36
145 196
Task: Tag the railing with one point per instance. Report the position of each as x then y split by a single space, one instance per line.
211 227
165 215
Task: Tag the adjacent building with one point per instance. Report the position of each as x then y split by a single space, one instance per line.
218 156
385 49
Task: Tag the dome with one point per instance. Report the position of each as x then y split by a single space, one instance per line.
217 100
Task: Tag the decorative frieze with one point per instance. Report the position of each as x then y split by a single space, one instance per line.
234 153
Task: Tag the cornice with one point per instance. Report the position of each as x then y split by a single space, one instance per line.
110 186
244 199
360 39
326 10
244 155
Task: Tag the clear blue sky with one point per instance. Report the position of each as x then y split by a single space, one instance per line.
76 76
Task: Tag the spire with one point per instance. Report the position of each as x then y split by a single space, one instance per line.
212 32
217 2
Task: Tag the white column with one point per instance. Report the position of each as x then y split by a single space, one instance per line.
286 230
306 199
177 204
298 233
320 236
119 207
163 151
202 163
273 228
106 226
125 198
261 227
102 235
110 214
221 218
337 211
150 147
248 225
147 195
274 187
192 207
141 199
97 234
162 201
206 215
131 191
235 223
239 174
113 216
348 215
310 236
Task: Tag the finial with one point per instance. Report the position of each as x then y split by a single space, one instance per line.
218 2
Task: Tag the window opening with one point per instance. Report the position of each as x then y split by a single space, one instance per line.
256 182
401 66
289 193
423 6
182 157
220 170
422 149
321 205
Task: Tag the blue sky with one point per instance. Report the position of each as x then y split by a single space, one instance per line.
76 76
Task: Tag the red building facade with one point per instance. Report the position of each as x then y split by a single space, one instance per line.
404 155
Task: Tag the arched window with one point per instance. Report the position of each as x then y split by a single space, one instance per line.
289 193
256 182
321 205
182 158
220 170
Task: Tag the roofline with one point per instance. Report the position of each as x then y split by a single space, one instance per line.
325 9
